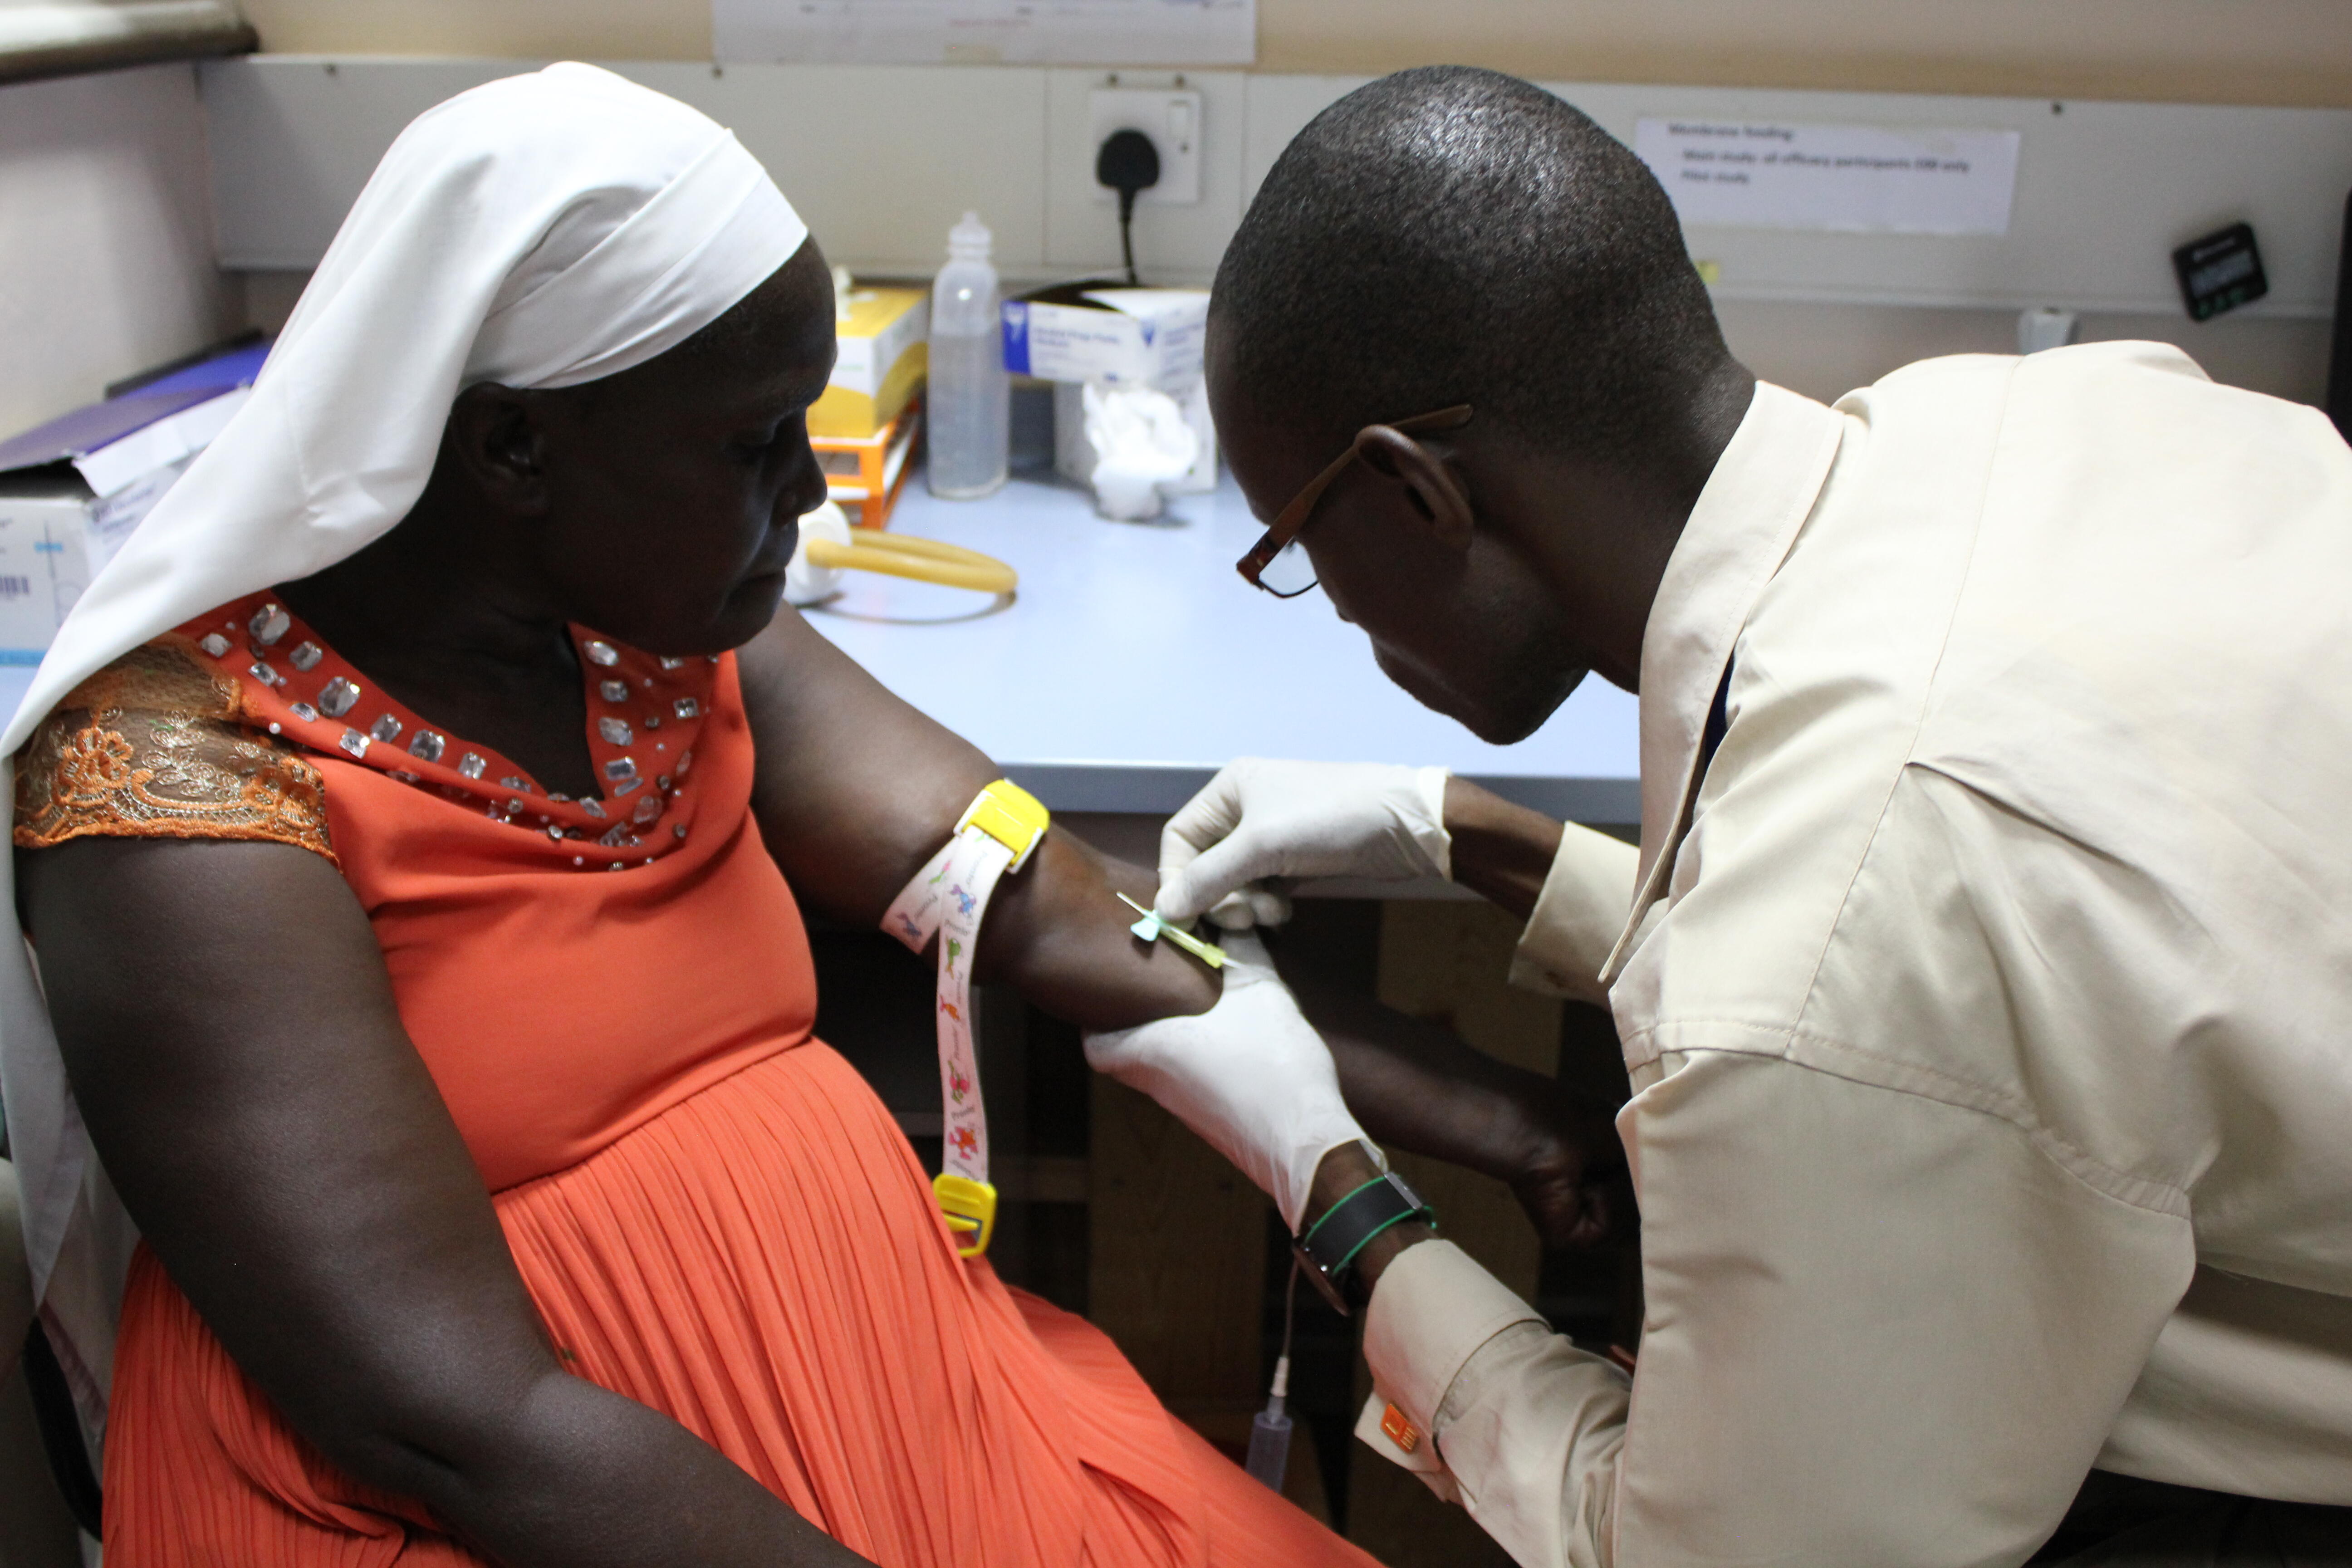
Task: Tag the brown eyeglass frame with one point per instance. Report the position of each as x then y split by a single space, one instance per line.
1291 521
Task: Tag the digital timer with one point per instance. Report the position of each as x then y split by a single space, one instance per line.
2219 272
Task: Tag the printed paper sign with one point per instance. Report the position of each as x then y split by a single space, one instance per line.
1860 179
1026 32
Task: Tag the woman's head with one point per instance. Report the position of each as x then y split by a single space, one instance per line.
660 505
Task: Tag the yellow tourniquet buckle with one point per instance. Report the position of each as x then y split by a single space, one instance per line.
1011 816
971 1210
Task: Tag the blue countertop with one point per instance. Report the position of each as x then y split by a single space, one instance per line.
1135 661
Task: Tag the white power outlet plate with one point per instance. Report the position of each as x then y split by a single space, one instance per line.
1171 119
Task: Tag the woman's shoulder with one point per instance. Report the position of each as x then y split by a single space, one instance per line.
158 746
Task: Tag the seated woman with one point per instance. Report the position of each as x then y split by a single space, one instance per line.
412 838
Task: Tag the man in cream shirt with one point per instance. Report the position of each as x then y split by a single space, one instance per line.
1985 968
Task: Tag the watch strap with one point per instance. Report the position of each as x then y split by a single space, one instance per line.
1329 1247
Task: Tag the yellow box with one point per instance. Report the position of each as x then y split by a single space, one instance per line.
885 348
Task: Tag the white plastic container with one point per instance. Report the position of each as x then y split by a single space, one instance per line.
968 416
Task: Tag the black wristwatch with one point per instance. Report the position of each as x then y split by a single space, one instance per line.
1326 1249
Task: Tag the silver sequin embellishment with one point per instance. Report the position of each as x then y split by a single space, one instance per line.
616 731
616 835
602 653
593 807
686 708
353 741
648 809
305 712
267 675
338 697
385 729
214 644
268 624
621 768
613 690
471 764
426 746
629 788
678 830
306 657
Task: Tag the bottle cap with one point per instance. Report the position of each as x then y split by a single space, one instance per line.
969 240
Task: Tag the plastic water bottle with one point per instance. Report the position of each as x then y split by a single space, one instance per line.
968 409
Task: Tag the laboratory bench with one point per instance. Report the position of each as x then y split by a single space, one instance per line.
1134 662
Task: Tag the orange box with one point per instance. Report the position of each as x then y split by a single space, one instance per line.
864 474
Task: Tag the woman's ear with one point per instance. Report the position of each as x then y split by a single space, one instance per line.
494 434
1431 485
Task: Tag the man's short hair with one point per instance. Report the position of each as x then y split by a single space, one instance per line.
1448 235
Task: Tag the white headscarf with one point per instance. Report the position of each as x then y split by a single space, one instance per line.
539 231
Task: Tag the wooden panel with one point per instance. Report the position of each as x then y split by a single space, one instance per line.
1177 1270
1446 962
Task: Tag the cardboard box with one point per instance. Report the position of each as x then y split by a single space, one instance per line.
45 558
72 490
1121 337
864 474
885 349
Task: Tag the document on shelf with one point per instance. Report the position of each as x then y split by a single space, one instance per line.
1023 32
1855 179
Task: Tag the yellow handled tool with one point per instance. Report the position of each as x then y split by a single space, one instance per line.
924 559
829 547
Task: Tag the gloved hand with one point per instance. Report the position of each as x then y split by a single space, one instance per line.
1258 819
1250 1076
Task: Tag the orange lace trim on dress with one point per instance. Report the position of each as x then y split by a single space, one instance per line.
152 746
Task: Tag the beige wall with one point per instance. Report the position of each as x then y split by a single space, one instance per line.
2219 51
2285 52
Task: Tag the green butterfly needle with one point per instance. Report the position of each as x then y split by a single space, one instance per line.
1151 927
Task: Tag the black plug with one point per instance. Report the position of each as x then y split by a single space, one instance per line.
1126 163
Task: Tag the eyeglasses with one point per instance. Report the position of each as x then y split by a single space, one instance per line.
1278 564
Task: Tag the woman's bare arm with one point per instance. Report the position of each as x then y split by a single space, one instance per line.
231 1036
857 790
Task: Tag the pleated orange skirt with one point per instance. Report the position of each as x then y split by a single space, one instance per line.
763 1263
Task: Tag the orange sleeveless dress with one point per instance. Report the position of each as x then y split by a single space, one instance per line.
714 1213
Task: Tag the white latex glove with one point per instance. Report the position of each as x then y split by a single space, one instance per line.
1258 819
1251 1076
